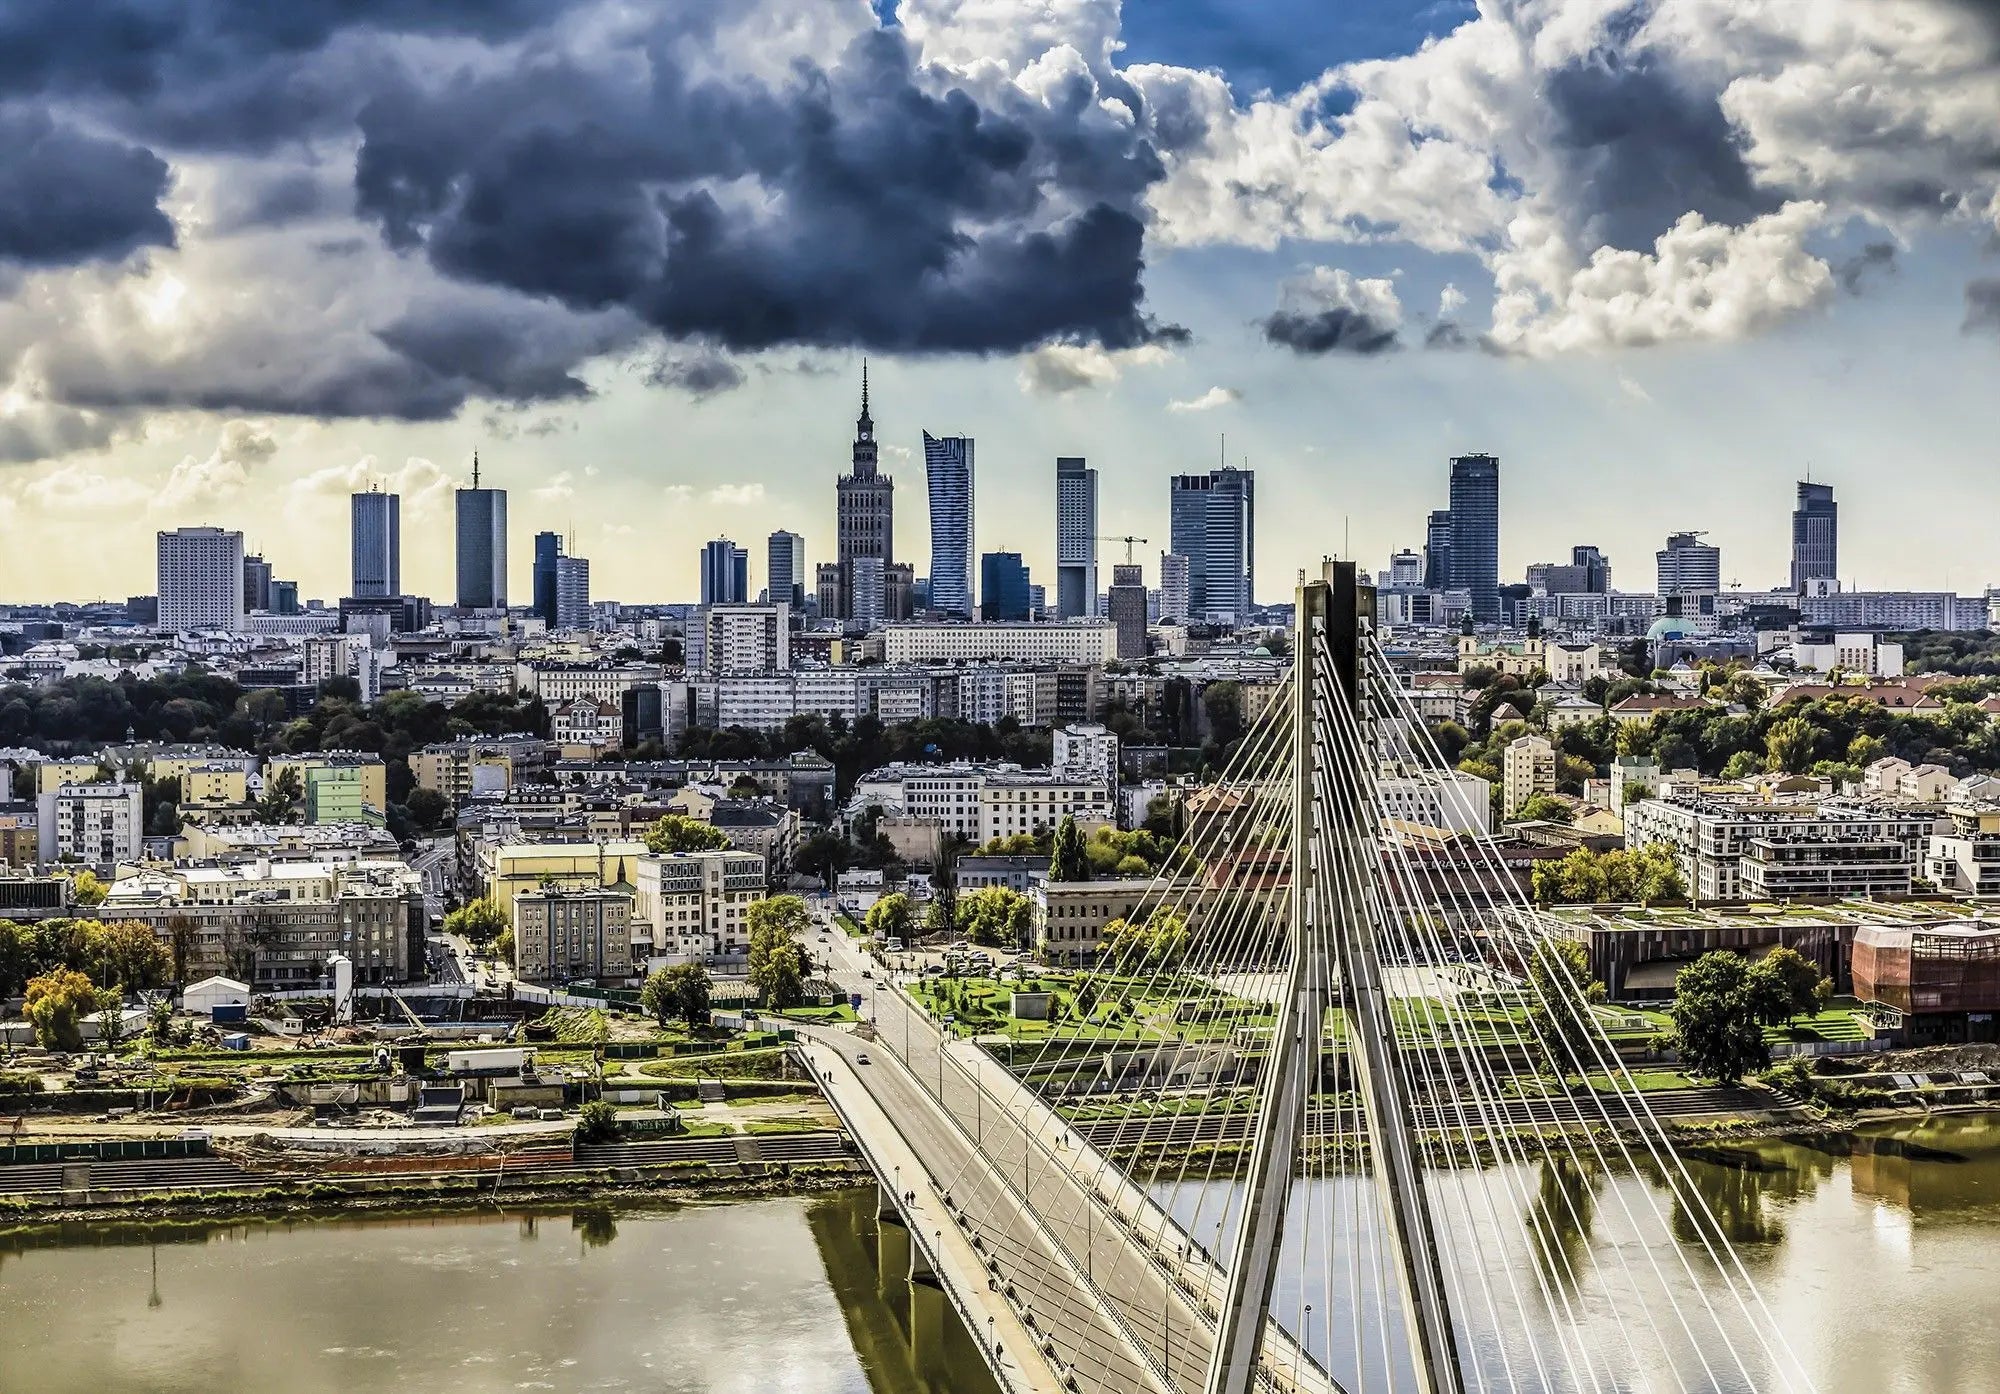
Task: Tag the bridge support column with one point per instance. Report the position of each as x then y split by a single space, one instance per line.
892 1257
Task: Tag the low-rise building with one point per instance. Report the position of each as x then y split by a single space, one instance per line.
1967 858
1711 837
693 907
565 935
1072 641
274 924
97 825
1451 800
586 725
1930 983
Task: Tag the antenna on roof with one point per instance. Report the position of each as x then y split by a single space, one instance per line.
475 469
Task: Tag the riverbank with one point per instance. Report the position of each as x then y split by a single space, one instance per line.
432 1193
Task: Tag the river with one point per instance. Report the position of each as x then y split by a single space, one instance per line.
1882 1268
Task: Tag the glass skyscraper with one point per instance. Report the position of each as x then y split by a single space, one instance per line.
1815 535
1213 521
785 569
1076 538
482 546
725 573
1003 587
377 538
948 470
548 552
1475 533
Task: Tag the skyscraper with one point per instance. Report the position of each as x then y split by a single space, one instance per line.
482 546
1437 550
1689 566
1173 588
1475 533
725 573
948 471
1815 535
200 579
1003 587
1076 538
1213 522
1596 569
256 583
572 592
376 535
548 550
785 570
1126 604
865 510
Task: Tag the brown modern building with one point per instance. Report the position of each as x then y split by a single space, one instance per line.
1930 983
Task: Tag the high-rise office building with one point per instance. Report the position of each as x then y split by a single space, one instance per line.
1076 538
785 573
868 587
725 573
1689 566
1213 521
1437 550
482 545
376 538
1003 587
1815 535
548 549
256 583
1406 568
1126 605
284 597
1596 569
1173 588
865 509
1475 533
572 592
948 472
200 579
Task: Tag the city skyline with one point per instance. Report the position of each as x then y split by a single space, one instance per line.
255 326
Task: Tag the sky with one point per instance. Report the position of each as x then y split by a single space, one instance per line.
1663 257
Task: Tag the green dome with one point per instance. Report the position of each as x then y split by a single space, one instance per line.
1667 627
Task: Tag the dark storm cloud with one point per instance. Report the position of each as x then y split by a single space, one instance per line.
698 374
1639 150
68 197
1982 307
845 208
1334 329
1446 334
1853 271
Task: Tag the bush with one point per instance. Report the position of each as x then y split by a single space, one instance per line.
597 1121
20 1082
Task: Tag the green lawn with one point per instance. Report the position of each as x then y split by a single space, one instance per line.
848 925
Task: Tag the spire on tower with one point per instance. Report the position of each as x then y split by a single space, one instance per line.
867 422
475 469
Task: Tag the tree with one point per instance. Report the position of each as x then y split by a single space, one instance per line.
111 1017
996 915
824 855
597 1122
894 916
56 1005
1789 744
183 937
1543 808
282 794
1743 764
678 833
1786 984
87 889
429 809
1715 1015
1067 861
131 955
679 991
160 1021
478 921
1561 995
1156 944
503 945
777 963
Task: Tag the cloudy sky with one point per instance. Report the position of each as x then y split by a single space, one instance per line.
1661 256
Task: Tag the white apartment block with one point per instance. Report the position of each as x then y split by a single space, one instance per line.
1527 768
1898 779
97 825
554 682
1073 641
693 905
982 802
199 575
1851 653
1087 749
1966 859
1712 840
747 638
1448 799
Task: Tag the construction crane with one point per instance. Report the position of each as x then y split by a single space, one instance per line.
1128 541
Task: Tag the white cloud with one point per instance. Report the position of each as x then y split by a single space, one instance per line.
225 473
1207 401
1702 280
736 495
561 486
425 489
77 491
1450 301
1057 369
679 493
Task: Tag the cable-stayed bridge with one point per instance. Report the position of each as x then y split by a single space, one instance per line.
1335 1115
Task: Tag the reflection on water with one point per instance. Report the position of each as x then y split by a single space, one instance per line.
1877 1256
743 1298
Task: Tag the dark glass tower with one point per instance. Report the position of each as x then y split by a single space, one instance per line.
548 551
1475 533
1815 535
482 546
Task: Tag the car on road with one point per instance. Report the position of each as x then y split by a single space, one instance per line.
866 973
862 1058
